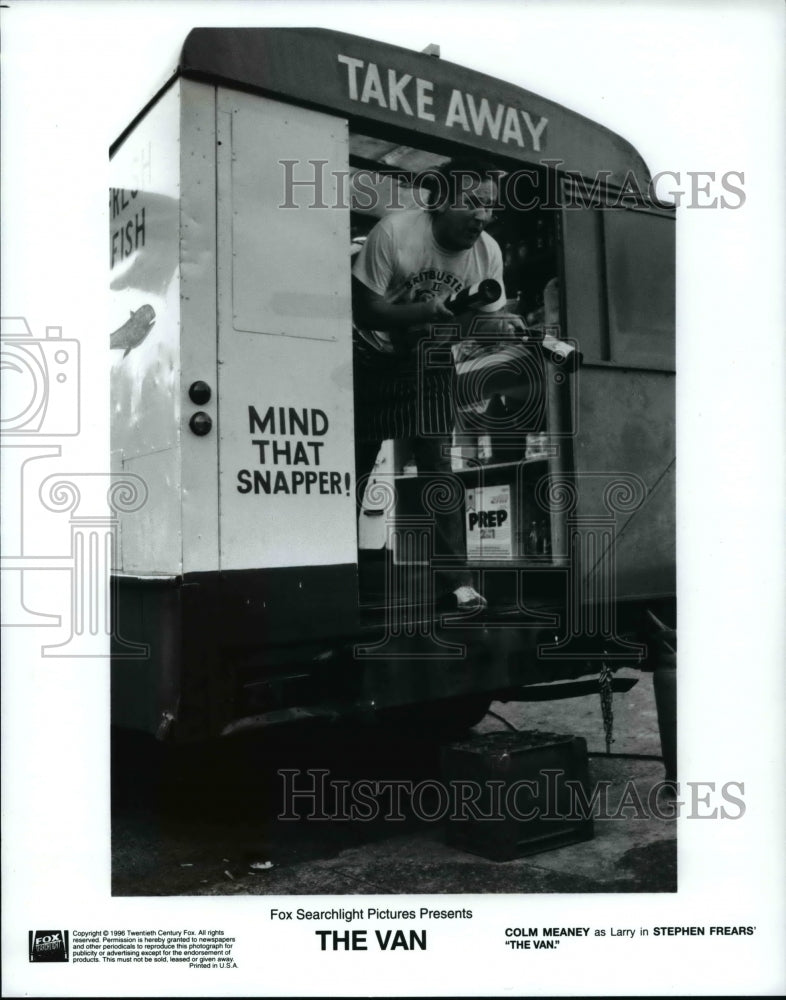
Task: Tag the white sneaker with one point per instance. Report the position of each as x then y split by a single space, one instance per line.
468 599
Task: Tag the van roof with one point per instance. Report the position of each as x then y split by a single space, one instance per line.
386 89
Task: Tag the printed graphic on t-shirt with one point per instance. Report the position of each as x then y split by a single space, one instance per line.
434 280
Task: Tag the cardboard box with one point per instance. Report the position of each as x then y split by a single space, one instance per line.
489 522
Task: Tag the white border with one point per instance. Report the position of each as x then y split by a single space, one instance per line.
693 87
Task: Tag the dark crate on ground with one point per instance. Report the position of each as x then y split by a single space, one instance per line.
533 790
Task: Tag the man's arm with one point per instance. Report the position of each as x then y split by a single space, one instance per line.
374 271
374 311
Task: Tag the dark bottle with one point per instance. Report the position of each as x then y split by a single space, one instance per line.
532 540
482 294
503 441
540 238
545 540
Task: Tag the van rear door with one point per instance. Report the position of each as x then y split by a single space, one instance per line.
286 455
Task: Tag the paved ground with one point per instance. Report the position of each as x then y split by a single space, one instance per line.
204 827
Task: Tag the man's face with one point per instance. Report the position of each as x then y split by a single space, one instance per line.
460 221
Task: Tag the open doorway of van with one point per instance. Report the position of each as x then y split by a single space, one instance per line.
499 441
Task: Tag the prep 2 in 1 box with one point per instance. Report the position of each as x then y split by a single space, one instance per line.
489 522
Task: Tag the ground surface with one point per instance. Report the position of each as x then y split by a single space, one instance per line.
213 816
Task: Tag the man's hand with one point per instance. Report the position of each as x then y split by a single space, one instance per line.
437 312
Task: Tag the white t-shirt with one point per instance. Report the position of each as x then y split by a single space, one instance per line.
402 262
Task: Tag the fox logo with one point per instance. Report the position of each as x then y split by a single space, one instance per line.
48 946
